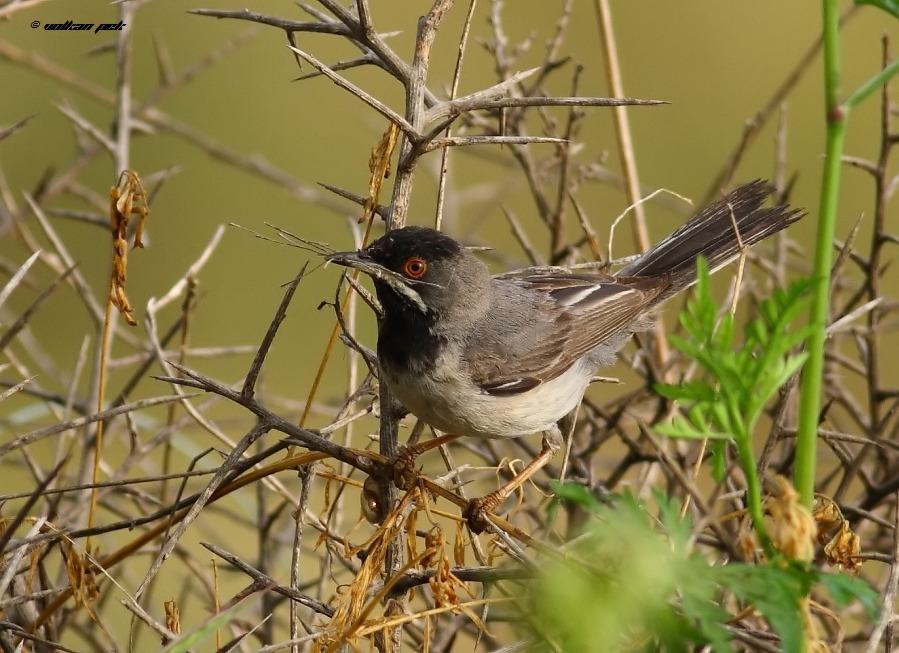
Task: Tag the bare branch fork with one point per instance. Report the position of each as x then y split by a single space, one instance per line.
426 116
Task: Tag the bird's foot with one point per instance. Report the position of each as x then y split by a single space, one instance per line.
403 463
477 512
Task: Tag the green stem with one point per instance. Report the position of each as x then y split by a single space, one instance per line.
813 373
875 83
754 492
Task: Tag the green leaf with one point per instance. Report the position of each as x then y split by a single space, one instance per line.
778 373
718 459
775 591
709 617
688 391
574 493
889 6
681 428
721 417
722 335
678 527
696 332
207 629
691 347
845 589
755 333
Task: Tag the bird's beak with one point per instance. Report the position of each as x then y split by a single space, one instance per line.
361 261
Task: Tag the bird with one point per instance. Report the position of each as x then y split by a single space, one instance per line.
483 356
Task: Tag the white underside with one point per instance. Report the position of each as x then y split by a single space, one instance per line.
453 408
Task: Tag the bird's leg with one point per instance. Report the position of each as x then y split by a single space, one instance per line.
476 512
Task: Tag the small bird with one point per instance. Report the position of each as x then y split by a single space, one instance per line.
506 356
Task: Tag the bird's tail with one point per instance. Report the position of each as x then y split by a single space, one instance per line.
713 233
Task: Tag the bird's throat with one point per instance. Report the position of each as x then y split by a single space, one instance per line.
407 342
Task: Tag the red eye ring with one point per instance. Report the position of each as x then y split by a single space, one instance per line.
415 267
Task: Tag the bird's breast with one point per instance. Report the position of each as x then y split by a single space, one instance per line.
446 398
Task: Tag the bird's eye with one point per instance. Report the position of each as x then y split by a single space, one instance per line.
415 268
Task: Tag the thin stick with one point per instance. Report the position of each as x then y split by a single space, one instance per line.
454 88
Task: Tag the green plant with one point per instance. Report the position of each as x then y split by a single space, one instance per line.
637 582
725 406
837 113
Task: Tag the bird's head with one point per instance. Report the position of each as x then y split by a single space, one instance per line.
418 269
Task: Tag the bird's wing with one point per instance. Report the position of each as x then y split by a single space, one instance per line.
553 321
